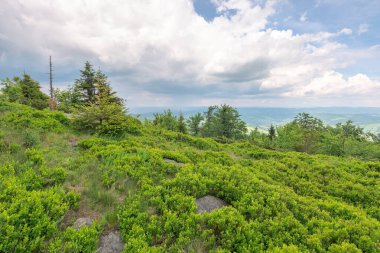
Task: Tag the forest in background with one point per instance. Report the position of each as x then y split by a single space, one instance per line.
301 187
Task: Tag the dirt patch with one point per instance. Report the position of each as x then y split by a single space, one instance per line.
76 188
73 142
209 203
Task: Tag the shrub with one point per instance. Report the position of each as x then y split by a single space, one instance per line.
118 125
3 144
73 199
29 215
14 148
31 138
25 117
83 240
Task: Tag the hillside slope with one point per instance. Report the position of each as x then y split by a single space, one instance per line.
146 186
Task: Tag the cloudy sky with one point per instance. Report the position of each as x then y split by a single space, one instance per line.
275 53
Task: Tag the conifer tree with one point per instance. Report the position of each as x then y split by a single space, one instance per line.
32 94
271 132
224 121
25 91
166 120
105 113
86 84
104 91
182 124
194 123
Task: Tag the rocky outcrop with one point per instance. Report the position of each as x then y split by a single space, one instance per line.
80 222
173 162
111 243
209 203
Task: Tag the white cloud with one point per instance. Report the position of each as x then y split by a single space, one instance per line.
303 17
345 31
363 28
152 43
333 83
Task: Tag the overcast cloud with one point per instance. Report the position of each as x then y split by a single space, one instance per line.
163 53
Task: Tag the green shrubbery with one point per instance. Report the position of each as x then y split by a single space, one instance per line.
29 210
149 177
23 117
279 202
83 240
25 91
309 134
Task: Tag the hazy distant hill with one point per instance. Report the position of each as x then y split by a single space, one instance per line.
366 117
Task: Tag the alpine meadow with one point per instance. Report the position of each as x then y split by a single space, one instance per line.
259 128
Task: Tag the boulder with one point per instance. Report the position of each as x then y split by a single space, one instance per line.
111 243
173 162
80 222
209 203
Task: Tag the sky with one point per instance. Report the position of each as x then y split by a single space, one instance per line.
179 53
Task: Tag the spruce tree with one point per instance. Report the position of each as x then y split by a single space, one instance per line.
224 121
25 91
271 132
31 93
105 114
104 91
86 84
194 123
182 124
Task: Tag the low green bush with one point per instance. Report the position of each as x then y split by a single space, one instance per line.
31 138
83 240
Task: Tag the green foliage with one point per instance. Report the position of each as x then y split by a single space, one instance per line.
104 92
68 100
118 125
166 120
308 134
279 202
85 85
29 212
104 113
83 240
31 138
3 144
182 128
72 199
25 91
194 123
276 201
223 122
106 120
25 117
11 91
271 132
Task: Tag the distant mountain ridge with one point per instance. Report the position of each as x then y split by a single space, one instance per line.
366 117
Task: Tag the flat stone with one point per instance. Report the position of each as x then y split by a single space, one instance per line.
173 162
111 243
86 221
209 203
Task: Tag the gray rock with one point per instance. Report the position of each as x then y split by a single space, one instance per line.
86 221
111 243
173 162
209 203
